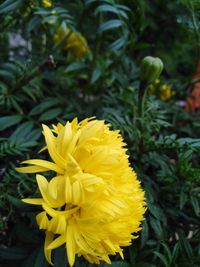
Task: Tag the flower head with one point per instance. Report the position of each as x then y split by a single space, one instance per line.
166 92
163 91
75 43
94 204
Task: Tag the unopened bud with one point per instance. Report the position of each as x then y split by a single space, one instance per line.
151 69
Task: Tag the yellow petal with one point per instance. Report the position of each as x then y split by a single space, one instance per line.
70 246
59 241
54 213
68 190
45 164
77 193
72 166
48 240
34 201
57 224
31 169
49 137
73 143
56 188
64 138
42 220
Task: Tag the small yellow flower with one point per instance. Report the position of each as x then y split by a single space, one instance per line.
94 204
151 89
157 81
166 92
47 3
75 43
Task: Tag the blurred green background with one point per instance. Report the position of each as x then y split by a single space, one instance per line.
81 58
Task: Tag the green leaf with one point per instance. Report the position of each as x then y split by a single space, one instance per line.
7 75
117 45
154 210
8 121
9 5
195 204
96 74
156 226
75 67
185 245
109 8
50 114
168 252
33 23
162 258
40 108
175 251
110 25
22 131
183 199
144 233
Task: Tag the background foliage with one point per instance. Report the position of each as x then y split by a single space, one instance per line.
41 83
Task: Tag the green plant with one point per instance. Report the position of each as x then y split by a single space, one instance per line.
40 83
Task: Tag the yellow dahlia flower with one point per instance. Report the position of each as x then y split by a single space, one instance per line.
75 43
94 204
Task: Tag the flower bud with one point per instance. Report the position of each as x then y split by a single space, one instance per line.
151 69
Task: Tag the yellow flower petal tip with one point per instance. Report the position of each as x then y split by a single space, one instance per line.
94 203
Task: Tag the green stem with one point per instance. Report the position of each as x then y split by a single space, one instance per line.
141 105
141 98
